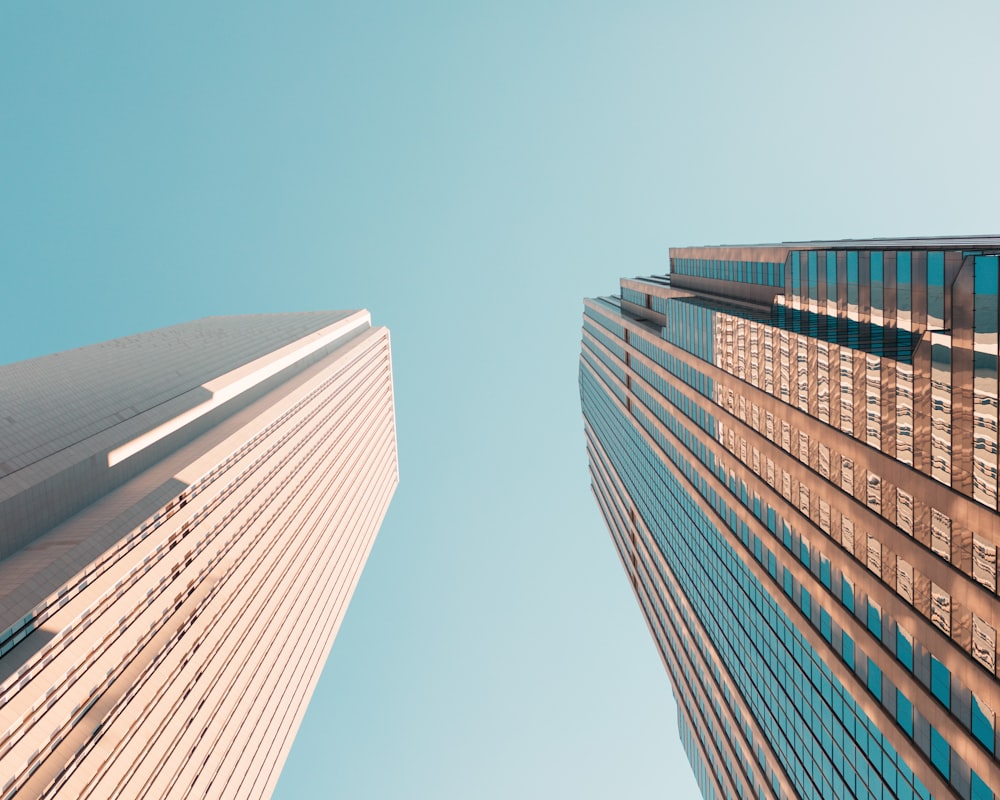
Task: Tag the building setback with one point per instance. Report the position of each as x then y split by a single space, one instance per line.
794 448
184 515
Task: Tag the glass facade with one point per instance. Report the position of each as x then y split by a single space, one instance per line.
803 492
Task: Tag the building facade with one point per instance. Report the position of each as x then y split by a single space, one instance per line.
184 515
795 450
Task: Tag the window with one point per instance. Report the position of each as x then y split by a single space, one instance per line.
847 534
904 579
874 499
824 460
941 534
984 643
904 647
875 555
984 562
941 608
875 619
983 723
904 511
847 475
941 682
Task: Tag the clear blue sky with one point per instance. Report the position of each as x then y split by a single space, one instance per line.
470 172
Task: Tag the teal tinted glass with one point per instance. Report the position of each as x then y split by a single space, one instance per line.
813 276
935 289
940 753
982 726
904 649
986 274
874 679
831 276
877 281
986 296
904 712
903 281
874 621
941 682
852 277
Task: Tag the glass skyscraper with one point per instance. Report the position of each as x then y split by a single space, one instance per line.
794 448
184 516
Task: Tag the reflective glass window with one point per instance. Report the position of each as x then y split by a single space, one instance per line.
941 682
877 281
904 648
831 276
940 753
852 278
982 723
935 290
813 276
903 281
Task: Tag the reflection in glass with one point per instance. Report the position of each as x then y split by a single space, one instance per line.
984 647
904 413
904 579
941 534
984 562
941 608
824 460
984 435
813 279
935 291
877 289
874 492
785 366
831 279
852 285
873 401
741 349
874 555
941 407
847 534
824 516
802 373
768 359
904 290
823 380
904 511
847 391
847 475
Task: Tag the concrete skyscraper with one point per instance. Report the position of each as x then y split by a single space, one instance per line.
184 515
794 447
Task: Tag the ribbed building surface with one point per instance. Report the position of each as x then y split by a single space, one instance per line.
184 515
795 449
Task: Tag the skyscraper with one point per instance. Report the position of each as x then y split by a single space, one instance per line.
794 447
184 515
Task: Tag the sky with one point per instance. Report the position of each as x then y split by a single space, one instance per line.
469 172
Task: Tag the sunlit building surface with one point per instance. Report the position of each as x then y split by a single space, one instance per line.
184 515
795 450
